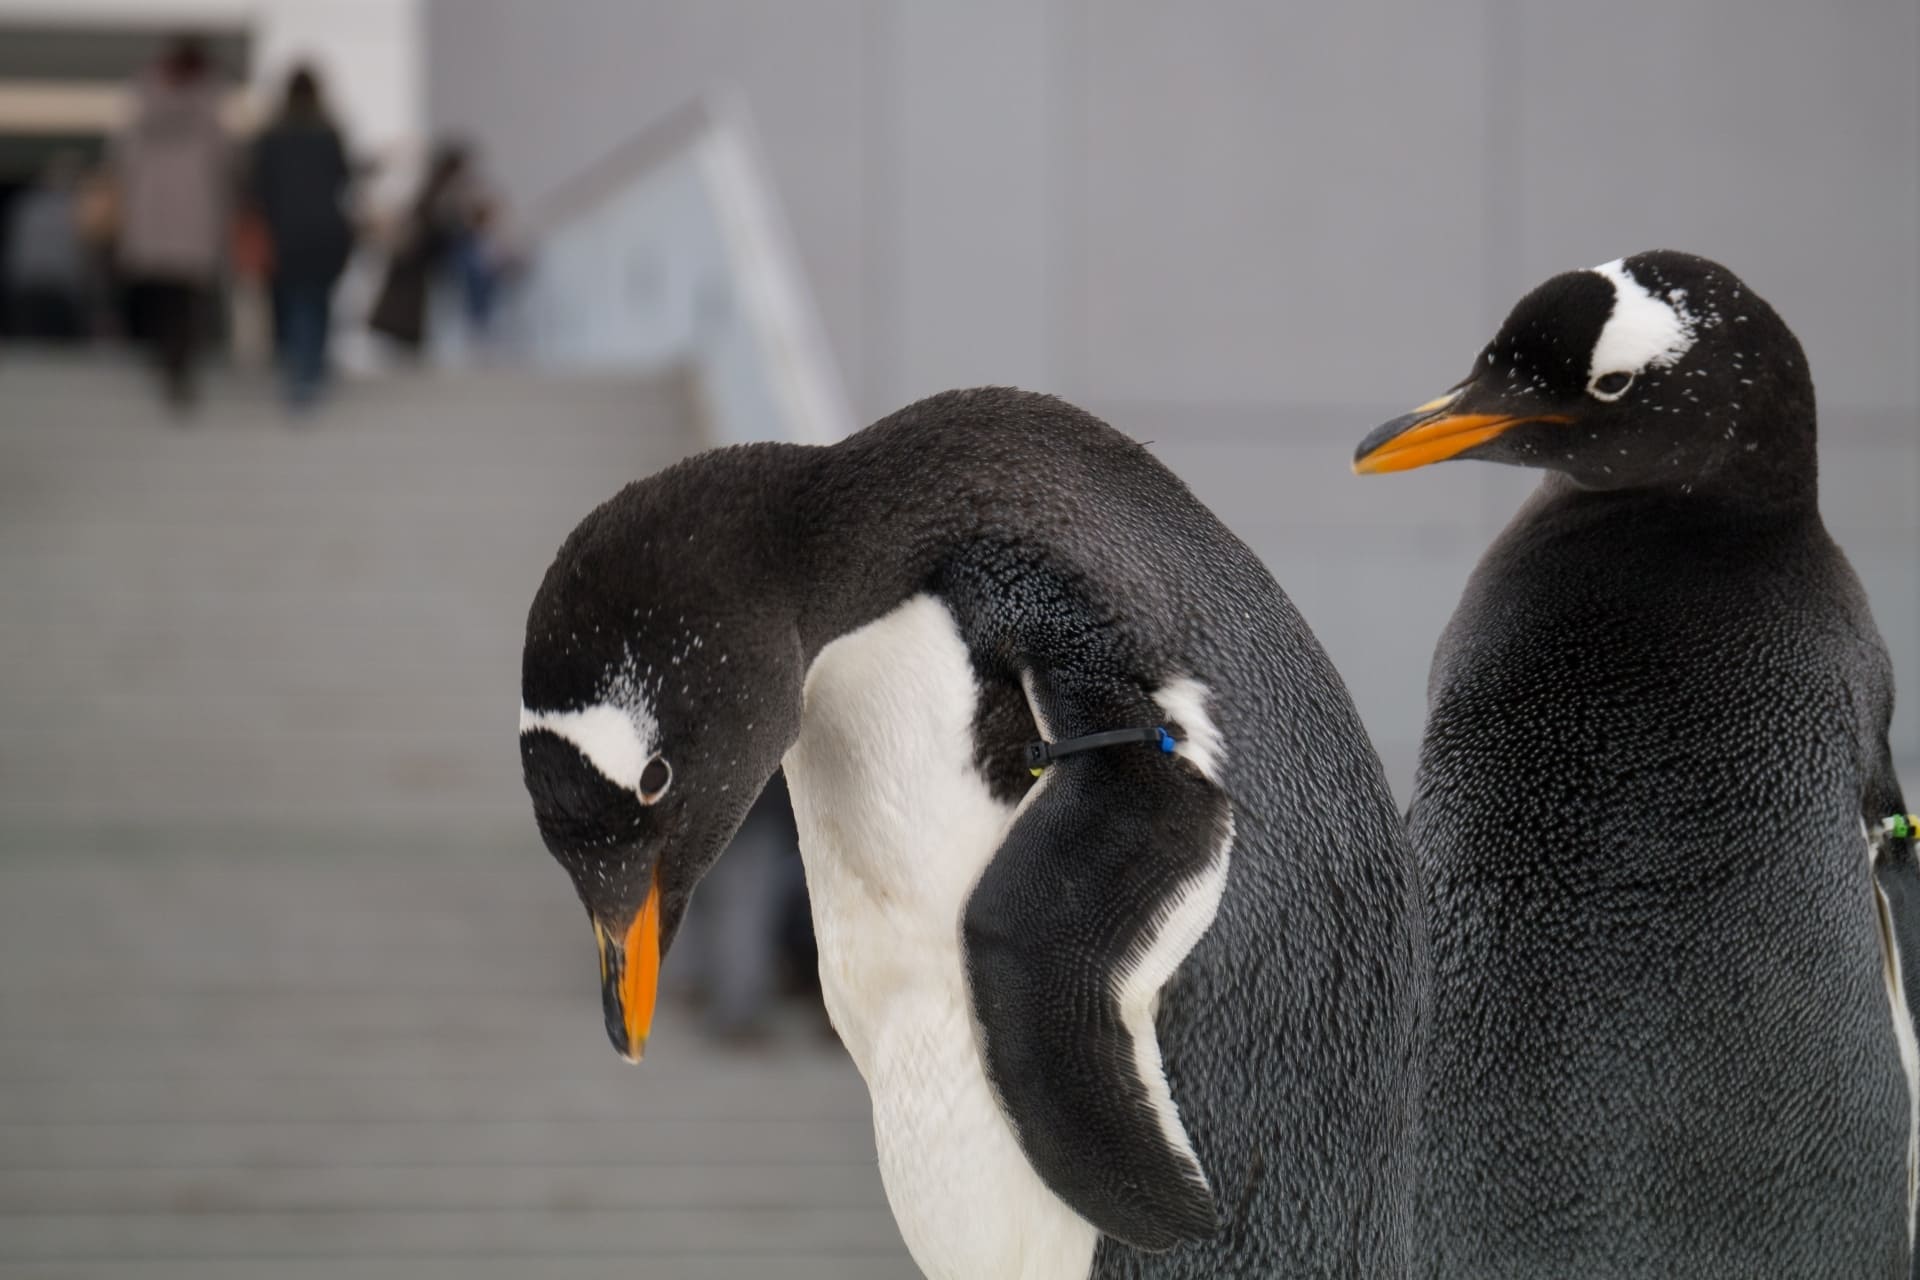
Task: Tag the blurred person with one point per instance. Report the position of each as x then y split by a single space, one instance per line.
299 185
249 270
97 214
474 267
437 219
173 169
46 269
484 258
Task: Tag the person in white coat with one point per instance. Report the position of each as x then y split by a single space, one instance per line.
173 167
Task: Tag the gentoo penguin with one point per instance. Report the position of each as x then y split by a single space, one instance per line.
1151 1013
1670 1032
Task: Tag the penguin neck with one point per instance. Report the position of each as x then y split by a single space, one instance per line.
873 525
1779 476
1778 479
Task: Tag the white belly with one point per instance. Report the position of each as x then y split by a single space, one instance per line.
895 828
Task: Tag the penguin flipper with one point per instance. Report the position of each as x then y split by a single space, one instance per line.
1107 878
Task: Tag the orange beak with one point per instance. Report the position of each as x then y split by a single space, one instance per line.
1432 434
630 976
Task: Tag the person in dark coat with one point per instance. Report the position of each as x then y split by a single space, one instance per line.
46 274
300 186
439 216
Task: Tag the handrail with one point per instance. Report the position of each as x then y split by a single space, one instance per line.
651 146
766 366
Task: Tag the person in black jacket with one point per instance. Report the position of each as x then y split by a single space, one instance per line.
301 180
441 218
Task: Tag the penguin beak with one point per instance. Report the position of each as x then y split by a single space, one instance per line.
630 975
1436 431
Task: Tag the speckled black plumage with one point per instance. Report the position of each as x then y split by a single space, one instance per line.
1661 1045
1063 550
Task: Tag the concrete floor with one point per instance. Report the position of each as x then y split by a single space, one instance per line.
270 1059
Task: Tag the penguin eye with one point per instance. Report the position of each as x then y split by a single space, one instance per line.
1610 386
654 779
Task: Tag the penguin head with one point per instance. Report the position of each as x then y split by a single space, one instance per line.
658 693
1659 369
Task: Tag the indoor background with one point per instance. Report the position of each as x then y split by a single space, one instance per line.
288 986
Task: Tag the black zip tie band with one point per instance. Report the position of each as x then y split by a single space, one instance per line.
1041 754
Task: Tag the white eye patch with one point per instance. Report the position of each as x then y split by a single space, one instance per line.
1643 332
616 741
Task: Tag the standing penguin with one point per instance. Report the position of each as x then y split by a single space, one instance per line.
1670 1035
1150 1013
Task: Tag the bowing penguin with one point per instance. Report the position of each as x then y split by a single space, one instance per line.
1669 924
1114 912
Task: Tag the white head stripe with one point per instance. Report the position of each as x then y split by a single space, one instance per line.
1643 330
616 741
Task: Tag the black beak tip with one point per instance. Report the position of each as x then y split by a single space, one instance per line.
1385 432
616 1020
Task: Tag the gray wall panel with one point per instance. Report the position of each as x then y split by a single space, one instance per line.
1777 136
970 180
1279 200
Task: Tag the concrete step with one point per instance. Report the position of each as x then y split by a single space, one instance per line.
344 1057
252 617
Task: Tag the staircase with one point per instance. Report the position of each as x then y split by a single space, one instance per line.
250 619
288 988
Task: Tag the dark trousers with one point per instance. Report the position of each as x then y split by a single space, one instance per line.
170 316
303 326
